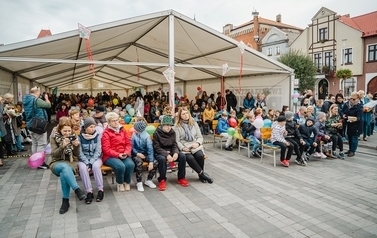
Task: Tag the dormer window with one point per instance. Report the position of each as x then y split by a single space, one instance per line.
323 34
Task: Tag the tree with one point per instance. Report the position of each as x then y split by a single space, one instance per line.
344 74
304 67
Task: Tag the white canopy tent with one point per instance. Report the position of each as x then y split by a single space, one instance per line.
135 52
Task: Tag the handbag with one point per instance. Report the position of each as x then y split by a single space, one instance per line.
37 125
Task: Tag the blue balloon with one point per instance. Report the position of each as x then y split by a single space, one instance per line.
267 123
127 119
128 107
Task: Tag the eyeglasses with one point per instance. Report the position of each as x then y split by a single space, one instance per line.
114 121
353 98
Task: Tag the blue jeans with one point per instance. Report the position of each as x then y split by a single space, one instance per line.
67 178
255 142
353 142
123 169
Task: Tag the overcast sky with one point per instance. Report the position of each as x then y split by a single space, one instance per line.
22 20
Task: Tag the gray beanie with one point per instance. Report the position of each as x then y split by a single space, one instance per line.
288 115
88 122
320 115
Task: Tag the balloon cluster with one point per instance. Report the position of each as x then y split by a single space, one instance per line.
295 96
131 112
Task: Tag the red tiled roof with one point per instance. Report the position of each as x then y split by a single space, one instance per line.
269 22
44 33
366 23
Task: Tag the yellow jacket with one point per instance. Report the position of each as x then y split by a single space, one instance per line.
208 114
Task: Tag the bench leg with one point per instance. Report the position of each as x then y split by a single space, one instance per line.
275 158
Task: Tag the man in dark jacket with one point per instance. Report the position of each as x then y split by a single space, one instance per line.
327 104
166 150
35 108
309 135
231 100
294 138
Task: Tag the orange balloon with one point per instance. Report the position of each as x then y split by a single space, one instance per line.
90 103
130 132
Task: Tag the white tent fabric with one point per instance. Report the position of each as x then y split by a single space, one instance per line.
134 52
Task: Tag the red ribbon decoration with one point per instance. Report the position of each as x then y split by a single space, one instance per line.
239 79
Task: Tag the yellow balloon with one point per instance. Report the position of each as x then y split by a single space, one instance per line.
115 101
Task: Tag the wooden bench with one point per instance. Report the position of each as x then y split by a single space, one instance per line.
241 141
217 138
265 137
107 169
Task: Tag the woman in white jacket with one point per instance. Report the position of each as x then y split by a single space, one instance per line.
139 104
190 141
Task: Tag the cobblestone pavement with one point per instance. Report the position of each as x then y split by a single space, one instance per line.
328 198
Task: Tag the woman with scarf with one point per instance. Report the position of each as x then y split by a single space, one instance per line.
90 159
116 150
190 141
65 151
74 115
353 115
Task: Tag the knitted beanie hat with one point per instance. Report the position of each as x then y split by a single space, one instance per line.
88 122
140 126
167 120
288 115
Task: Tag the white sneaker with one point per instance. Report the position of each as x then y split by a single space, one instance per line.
127 186
28 140
323 156
211 131
150 184
120 187
140 187
316 154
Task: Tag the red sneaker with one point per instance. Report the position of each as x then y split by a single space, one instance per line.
162 185
183 182
284 163
287 162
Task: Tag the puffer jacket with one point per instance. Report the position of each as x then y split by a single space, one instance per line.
142 143
222 125
308 132
247 128
321 128
39 108
163 142
90 147
115 143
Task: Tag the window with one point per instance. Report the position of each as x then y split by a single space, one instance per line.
348 86
322 34
269 51
347 56
318 60
328 59
372 53
277 50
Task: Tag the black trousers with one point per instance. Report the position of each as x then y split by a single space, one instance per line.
297 146
139 168
209 122
196 161
162 166
284 148
337 141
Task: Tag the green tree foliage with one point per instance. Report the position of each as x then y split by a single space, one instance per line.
343 73
304 67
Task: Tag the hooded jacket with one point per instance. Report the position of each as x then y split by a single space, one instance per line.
291 128
39 108
321 128
222 125
142 143
90 147
115 143
247 128
308 132
163 142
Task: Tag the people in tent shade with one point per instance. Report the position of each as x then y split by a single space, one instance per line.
222 129
90 160
35 107
62 111
190 141
208 116
231 100
142 151
116 152
166 150
249 102
65 150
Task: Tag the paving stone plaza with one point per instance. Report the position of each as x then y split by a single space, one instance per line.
328 198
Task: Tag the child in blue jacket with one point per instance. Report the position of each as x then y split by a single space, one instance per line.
222 129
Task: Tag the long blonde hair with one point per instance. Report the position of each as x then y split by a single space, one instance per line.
330 109
179 120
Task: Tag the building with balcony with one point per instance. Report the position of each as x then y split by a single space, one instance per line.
337 42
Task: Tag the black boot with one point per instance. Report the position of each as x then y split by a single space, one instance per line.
205 176
65 206
89 198
80 194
